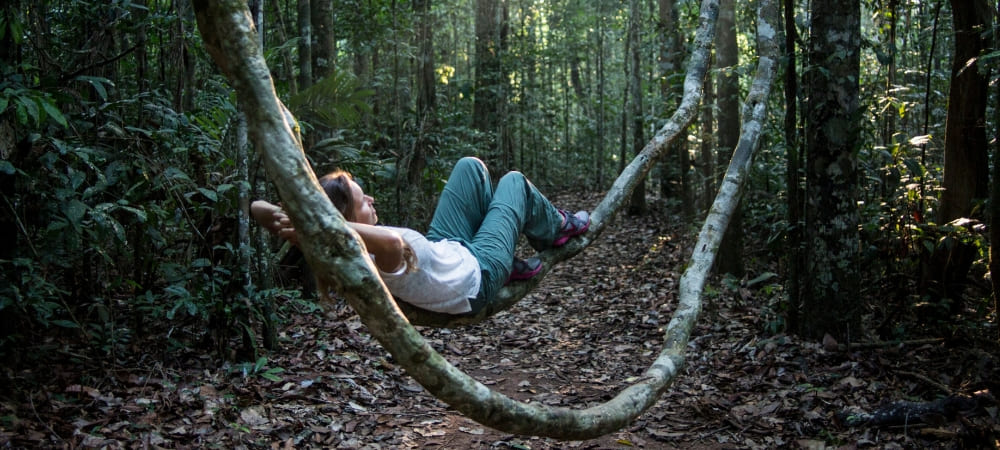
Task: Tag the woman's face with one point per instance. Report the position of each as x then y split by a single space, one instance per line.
364 206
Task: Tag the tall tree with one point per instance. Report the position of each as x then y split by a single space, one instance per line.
706 159
792 166
424 36
184 61
966 169
995 187
304 10
674 164
599 150
830 298
637 204
413 160
730 258
966 166
323 38
489 77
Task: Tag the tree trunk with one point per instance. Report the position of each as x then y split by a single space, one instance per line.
637 204
412 161
486 99
889 124
141 57
601 87
792 174
727 60
426 95
182 63
966 166
671 63
324 39
706 161
966 174
995 190
831 302
304 10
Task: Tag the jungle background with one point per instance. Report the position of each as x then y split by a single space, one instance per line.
139 306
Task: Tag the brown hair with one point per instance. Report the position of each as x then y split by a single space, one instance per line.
337 185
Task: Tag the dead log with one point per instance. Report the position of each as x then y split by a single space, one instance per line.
907 413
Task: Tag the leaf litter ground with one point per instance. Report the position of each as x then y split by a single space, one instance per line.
591 328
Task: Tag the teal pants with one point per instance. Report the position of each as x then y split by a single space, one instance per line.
489 221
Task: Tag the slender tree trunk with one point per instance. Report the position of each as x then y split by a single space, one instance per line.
324 39
426 95
304 10
793 167
141 57
412 162
486 99
601 86
706 161
674 163
637 204
624 141
995 195
927 106
831 301
183 64
966 174
730 258
889 127
506 140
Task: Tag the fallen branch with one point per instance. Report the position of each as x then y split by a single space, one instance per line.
886 344
916 413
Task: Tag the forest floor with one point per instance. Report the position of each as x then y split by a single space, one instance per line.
592 326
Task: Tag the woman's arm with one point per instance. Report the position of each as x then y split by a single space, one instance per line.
387 246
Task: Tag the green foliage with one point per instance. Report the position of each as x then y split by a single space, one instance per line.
115 208
334 102
259 368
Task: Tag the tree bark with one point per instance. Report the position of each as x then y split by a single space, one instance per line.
995 187
793 178
707 154
304 10
831 302
966 176
324 39
637 204
599 150
670 62
487 96
911 413
727 60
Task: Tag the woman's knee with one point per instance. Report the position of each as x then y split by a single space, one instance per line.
513 182
513 177
470 163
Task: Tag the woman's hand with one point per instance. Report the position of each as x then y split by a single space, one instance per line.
271 217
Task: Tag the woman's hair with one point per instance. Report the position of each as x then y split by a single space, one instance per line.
337 185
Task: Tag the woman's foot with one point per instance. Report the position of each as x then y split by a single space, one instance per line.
573 225
524 269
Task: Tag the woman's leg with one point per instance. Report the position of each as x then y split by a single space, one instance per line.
464 202
489 222
517 207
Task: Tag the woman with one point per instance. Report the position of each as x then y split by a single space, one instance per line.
468 253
